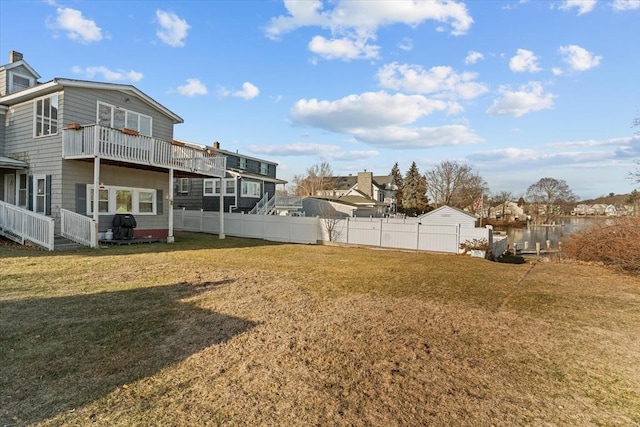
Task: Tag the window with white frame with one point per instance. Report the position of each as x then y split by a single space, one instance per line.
264 169
40 194
183 185
46 116
112 200
243 163
18 82
230 187
22 190
250 189
211 187
119 118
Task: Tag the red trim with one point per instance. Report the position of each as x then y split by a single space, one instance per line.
156 234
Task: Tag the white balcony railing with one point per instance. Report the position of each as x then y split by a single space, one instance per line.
23 225
108 143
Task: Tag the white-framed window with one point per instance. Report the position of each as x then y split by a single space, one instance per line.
39 194
250 189
18 82
264 169
243 163
113 200
183 186
45 116
211 187
22 190
118 118
230 187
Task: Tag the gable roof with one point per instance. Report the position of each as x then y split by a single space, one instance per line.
347 182
60 83
23 63
444 209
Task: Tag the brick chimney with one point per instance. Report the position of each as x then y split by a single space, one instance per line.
15 56
216 145
365 182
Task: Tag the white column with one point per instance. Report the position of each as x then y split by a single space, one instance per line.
96 199
221 234
170 237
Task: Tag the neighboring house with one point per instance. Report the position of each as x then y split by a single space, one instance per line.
247 180
379 189
507 210
62 140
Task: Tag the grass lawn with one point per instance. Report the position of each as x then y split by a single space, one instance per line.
246 332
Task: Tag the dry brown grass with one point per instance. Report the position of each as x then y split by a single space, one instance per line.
239 332
615 242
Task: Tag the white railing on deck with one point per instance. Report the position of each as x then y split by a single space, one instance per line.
288 200
23 225
258 209
79 228
113 144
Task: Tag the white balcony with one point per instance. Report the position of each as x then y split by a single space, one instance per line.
112 144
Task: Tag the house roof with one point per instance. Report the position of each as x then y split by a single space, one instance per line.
8 162
60 83
19 63
242 174
347 182
444 208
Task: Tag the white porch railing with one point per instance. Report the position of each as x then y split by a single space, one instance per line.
79 228
113 144
259 208
289 201
22 225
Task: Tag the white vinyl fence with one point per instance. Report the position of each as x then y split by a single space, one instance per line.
387 233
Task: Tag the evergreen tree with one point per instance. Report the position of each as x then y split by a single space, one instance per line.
397 176
414 200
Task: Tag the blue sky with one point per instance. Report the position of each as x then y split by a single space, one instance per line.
519 90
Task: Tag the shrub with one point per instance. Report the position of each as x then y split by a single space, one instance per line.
475 244
615 242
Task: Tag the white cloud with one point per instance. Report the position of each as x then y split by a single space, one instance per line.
78 27
578 58
380 119
325 151
473 57
524 61
353 23
418 137
249 91
620 5
343 48
442 82
107 74
173 30
364 111
193 87
527 99
583 6
406 44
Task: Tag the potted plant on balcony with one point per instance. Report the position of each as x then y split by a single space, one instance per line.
128 131
73 126
476 248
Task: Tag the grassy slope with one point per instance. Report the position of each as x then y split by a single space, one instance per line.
242 332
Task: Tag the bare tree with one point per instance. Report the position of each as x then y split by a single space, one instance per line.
454 184
551 194
330 220
317 181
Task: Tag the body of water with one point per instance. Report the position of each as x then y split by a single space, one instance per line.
557 233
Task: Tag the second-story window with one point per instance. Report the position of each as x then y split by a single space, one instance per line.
118 118
46 116
243 163
264 169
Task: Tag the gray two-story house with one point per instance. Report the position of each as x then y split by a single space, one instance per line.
75 153
247 181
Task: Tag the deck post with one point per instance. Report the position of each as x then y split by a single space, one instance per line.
170 237
221 233
96 201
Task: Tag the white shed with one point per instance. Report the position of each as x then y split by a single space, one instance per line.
446 215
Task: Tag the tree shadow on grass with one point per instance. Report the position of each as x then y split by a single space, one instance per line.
57 354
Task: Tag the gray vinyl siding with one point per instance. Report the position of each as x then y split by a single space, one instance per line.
193 200
82 105
4 83
2 138
77 172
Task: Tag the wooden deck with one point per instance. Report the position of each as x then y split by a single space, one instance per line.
134 241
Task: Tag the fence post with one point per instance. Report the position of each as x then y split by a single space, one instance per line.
380 235
417 236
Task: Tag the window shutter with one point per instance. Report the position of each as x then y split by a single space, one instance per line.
47 195
159 202
30 192
81 199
